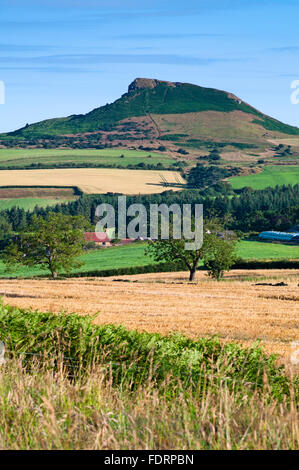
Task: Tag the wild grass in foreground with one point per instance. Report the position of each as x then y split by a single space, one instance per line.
69 384
45 409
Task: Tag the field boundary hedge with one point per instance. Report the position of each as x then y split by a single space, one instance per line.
168 267
54 166
264 264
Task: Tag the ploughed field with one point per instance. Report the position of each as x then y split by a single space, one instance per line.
235 309
95 180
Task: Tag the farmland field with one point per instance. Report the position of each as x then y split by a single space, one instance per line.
262 250
134 255
28 204
37 193
93 180
102 259
270 176
293 141
237 310
25 157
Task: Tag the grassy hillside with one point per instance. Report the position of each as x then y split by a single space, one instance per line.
155 97
271 176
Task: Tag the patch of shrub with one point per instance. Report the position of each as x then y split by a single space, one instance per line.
134 358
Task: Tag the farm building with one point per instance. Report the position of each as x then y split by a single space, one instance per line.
104 238
280 236
99 238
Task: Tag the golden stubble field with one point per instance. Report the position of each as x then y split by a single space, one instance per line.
235 309
94 180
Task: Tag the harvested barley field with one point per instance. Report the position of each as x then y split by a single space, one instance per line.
94 180
235 309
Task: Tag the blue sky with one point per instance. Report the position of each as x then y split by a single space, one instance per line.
62 57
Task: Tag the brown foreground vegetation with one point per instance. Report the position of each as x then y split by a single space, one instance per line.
234 309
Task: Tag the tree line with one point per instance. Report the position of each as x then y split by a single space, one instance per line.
248 211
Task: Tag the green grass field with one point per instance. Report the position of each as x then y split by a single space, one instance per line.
270 176
134 255
102 259
267 251
25 157
28 204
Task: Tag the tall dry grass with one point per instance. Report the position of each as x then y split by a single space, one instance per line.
43 408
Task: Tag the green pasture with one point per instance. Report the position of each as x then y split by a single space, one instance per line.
24 157
266 251
28 204
134 255
271 176
101 259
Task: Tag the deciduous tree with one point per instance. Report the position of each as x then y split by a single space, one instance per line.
52 243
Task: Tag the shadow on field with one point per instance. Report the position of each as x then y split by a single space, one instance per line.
21 296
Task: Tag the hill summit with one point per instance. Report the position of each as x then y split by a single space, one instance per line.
142 83
150 83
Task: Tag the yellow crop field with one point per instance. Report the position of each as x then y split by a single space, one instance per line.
235 309
95 180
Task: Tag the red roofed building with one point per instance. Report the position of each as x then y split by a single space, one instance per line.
99 238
